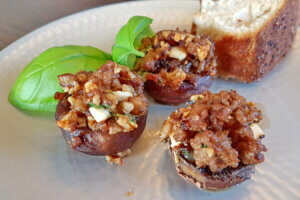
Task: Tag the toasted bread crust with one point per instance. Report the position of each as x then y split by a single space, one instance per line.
204 179
250 57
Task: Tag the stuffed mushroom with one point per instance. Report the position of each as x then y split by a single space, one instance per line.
176 65
102 112
215 141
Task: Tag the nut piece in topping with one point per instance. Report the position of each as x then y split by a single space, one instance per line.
118 159
127 107
114 160
127 88
121 96
178 53
217 133
102 112
117 70
126 122
196 97
257 131
70 121
69 83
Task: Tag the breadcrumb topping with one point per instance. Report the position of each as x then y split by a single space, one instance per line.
214 132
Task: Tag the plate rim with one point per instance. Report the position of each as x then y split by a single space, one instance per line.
41 30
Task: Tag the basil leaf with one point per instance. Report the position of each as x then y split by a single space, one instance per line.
35 87
129 39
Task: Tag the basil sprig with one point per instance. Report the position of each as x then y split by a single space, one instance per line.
35 87
129 39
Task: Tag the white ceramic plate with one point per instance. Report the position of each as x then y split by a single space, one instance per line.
36 163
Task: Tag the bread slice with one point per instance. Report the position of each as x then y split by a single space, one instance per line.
251 36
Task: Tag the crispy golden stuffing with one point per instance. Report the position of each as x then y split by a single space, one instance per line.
174 57
214 131
110 99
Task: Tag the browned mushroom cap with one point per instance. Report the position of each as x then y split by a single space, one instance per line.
99 143
177 65
102 112
167 95
215 141
205 179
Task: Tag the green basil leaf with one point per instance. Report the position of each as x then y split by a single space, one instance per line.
129 39
35 87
